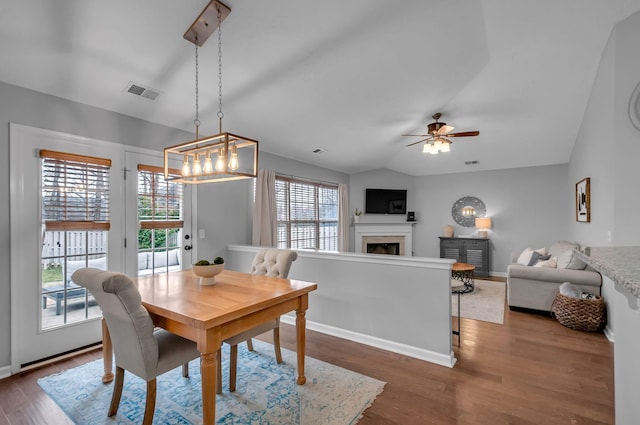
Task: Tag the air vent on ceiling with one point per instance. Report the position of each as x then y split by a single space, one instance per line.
142 91
319 150
475 161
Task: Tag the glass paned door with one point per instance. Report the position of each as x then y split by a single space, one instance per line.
158 218
58 224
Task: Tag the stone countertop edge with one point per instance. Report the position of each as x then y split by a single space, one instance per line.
620 264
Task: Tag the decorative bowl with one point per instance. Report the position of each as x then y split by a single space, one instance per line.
207 274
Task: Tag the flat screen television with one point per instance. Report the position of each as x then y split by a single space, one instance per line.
385 201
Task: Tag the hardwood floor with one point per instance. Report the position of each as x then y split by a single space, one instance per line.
531 370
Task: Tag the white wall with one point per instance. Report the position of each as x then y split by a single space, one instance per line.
593 157
607 150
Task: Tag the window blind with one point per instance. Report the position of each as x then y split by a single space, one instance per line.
159 199
307 214
75 191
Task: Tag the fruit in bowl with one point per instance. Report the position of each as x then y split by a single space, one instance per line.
207 271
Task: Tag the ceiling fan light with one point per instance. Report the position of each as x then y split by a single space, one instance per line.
426 148
446 147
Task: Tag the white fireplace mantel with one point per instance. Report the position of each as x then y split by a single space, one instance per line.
403 230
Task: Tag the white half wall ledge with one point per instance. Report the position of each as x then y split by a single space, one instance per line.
394 347
354 288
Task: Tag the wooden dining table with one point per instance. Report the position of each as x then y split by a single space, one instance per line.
210 314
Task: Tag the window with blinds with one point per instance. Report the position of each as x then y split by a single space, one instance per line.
160 214
75 191
307 214
75 227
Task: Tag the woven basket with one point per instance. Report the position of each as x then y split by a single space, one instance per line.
579 314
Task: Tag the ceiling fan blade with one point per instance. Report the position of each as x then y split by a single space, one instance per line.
464 134
444 130
416 135
419 141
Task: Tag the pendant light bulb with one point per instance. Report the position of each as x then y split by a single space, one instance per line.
233 160
220 161
208 164
186 168
197 167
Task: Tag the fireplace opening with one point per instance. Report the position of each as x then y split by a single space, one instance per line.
383 248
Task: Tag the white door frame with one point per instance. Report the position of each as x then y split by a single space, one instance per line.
24 141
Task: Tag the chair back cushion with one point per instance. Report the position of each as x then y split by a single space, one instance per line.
273 262
129 323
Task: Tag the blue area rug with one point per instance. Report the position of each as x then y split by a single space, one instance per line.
266 393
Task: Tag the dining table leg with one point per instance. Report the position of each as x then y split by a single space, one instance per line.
208 371
107 354
301 324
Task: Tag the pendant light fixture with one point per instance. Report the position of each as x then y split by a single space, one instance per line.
236 157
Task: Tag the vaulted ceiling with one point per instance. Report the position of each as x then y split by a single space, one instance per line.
346 76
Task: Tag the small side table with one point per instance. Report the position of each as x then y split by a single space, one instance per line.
463 273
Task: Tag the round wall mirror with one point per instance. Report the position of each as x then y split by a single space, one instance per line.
466 209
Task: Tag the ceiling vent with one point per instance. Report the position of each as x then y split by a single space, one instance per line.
142 91
319 150
474 162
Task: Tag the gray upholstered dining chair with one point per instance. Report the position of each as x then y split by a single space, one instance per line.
139 347
271 262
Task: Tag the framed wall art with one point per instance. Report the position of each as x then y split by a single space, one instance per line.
583 200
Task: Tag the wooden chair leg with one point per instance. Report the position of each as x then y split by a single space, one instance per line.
117 391
250 344
150 405
185 370
219 373
233 364
276 343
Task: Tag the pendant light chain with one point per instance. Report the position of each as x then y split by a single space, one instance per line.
196 122
220 114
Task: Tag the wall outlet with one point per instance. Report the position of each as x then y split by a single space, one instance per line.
202 234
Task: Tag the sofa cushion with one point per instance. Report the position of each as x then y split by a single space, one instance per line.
550 263
164 259
142 260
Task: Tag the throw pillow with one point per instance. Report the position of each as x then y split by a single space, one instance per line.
525 258
567 260
550 263
537 257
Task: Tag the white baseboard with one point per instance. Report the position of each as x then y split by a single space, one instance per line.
498 274
5 372
394 347
609 334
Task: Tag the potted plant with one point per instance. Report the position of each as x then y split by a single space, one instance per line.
356 215
207 271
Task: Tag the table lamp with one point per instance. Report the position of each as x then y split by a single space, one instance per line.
483 224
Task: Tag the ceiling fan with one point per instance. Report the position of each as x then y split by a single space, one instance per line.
435 141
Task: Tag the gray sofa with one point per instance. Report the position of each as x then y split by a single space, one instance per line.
534 288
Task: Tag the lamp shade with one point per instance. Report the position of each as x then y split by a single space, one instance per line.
483 223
